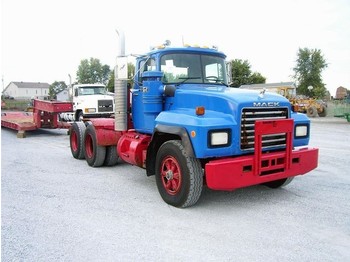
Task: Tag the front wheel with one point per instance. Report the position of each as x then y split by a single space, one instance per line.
311 111
279 183
323 111
179 177
80 116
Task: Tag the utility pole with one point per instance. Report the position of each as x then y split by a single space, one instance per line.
3 86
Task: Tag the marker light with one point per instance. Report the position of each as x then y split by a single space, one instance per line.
200 110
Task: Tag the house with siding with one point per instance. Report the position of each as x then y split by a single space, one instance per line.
27 90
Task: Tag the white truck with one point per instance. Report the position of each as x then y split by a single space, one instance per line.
89 101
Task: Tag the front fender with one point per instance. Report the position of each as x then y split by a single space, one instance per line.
198 127
161 134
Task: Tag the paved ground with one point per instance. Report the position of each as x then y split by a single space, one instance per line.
56 208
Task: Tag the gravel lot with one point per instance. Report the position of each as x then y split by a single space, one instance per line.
56 208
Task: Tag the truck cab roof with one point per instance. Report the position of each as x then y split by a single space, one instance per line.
89 85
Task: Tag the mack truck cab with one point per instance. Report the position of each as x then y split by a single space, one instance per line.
183 123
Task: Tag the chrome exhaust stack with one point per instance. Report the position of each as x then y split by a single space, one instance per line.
120 86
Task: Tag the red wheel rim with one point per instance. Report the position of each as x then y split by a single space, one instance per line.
88 146
171 175
74 141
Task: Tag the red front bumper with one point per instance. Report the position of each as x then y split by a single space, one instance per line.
236 172
233 173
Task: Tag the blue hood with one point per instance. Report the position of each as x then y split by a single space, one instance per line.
224 99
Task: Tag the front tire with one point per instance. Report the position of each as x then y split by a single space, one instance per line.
311 111
179 177
94 154
76 139
279 183
80 116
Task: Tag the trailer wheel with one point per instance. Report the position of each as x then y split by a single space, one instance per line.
94 154
179 177
112 157
76 139
279 183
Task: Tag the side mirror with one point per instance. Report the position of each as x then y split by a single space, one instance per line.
169 90
229 72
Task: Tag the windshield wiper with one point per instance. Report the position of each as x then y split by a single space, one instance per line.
223 83
184 79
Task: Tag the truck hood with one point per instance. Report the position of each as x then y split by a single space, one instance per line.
226 99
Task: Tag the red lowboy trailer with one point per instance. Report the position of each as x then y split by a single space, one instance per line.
44 115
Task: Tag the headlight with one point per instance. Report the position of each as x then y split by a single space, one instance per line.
219 138
301 131
90 110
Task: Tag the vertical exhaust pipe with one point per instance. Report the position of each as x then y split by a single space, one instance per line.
120 86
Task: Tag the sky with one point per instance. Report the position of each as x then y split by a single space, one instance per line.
44 41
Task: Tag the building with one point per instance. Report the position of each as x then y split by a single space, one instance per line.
341 92
27 90
63 95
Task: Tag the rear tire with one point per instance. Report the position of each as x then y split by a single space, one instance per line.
112 157
94 154
76 139
179 177
279 183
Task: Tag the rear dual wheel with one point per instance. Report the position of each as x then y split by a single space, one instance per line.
97 155
112 157
94 154
76 139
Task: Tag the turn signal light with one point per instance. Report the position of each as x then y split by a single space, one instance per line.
200 110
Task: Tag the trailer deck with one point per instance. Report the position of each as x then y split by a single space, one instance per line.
44 115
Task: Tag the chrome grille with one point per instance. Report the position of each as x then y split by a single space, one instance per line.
105 106
250 115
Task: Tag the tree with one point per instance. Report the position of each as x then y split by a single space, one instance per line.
309 66
131 73
92 71
242 74
55 88
257 78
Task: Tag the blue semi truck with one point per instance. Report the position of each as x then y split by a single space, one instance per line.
181 122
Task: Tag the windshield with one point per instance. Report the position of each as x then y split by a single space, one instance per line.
91 90
193 68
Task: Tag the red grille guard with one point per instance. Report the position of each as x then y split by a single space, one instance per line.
236 172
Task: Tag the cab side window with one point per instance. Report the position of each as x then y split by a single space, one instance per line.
148 64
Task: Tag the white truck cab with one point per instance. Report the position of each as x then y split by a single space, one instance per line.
90 101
